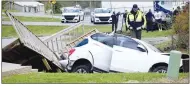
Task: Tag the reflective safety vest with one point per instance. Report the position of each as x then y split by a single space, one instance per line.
138 20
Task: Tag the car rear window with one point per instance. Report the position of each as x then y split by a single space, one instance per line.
83 42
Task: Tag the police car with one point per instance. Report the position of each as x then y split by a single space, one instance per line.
101 15
72 14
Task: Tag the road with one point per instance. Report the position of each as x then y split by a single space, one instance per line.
86 21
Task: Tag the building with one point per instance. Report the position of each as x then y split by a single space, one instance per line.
33 7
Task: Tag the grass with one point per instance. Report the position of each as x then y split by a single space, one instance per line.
8 31
102 28
163 33
34 19
108 28
85 78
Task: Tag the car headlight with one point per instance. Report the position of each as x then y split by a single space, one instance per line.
63 16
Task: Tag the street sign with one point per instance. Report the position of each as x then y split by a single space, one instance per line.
52 1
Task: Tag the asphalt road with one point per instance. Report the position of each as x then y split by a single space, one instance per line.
87 20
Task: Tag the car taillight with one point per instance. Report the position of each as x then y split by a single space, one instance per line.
71 51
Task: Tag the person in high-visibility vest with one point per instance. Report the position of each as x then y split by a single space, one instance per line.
136 21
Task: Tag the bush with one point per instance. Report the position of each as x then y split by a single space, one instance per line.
181 28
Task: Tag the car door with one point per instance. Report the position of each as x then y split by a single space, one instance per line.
127 57
101 50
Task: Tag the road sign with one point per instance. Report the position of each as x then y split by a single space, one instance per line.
52 1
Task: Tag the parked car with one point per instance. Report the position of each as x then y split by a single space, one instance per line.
72 14
101 15
115 53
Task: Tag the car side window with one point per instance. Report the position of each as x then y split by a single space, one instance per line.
127 42
109 41
83 42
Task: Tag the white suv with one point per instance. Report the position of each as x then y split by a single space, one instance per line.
72 14
115 53
101 15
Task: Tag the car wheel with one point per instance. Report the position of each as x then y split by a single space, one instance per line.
81 69
79 19
160 69
62 22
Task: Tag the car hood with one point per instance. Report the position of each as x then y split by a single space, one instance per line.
70 14
102 14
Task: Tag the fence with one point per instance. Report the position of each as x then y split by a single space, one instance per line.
31 41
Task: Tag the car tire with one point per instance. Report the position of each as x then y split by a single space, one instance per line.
62 22
81 69
79 19
160 69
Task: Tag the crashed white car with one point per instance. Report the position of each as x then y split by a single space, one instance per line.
72 14
115 53
101 15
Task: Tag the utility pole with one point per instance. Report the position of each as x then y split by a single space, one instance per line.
111 4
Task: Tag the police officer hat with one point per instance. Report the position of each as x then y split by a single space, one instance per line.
135 6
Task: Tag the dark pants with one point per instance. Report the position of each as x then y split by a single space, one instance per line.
136 34
149 26
114 26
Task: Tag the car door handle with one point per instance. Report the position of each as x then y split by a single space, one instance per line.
118 50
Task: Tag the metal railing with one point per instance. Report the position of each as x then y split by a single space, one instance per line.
32 41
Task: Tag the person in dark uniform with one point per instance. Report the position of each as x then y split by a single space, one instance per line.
149 18
136 21
114 22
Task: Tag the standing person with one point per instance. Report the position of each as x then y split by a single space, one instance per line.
114 22
149 18
136 21
124 17
158 18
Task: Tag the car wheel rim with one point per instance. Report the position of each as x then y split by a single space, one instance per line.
161 71
81 70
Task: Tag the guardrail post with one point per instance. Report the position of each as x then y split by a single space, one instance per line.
174 65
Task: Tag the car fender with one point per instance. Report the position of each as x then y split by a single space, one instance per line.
161 59
82 54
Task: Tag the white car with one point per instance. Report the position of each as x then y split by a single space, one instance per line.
115 53
72 14
101 15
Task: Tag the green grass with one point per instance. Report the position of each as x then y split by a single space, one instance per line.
101 28
34 19
84 78
8 31
108 28
163 33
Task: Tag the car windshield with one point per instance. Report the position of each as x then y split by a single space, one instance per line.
102 11
71 10
153 48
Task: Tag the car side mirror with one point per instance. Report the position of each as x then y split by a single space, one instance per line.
141 48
